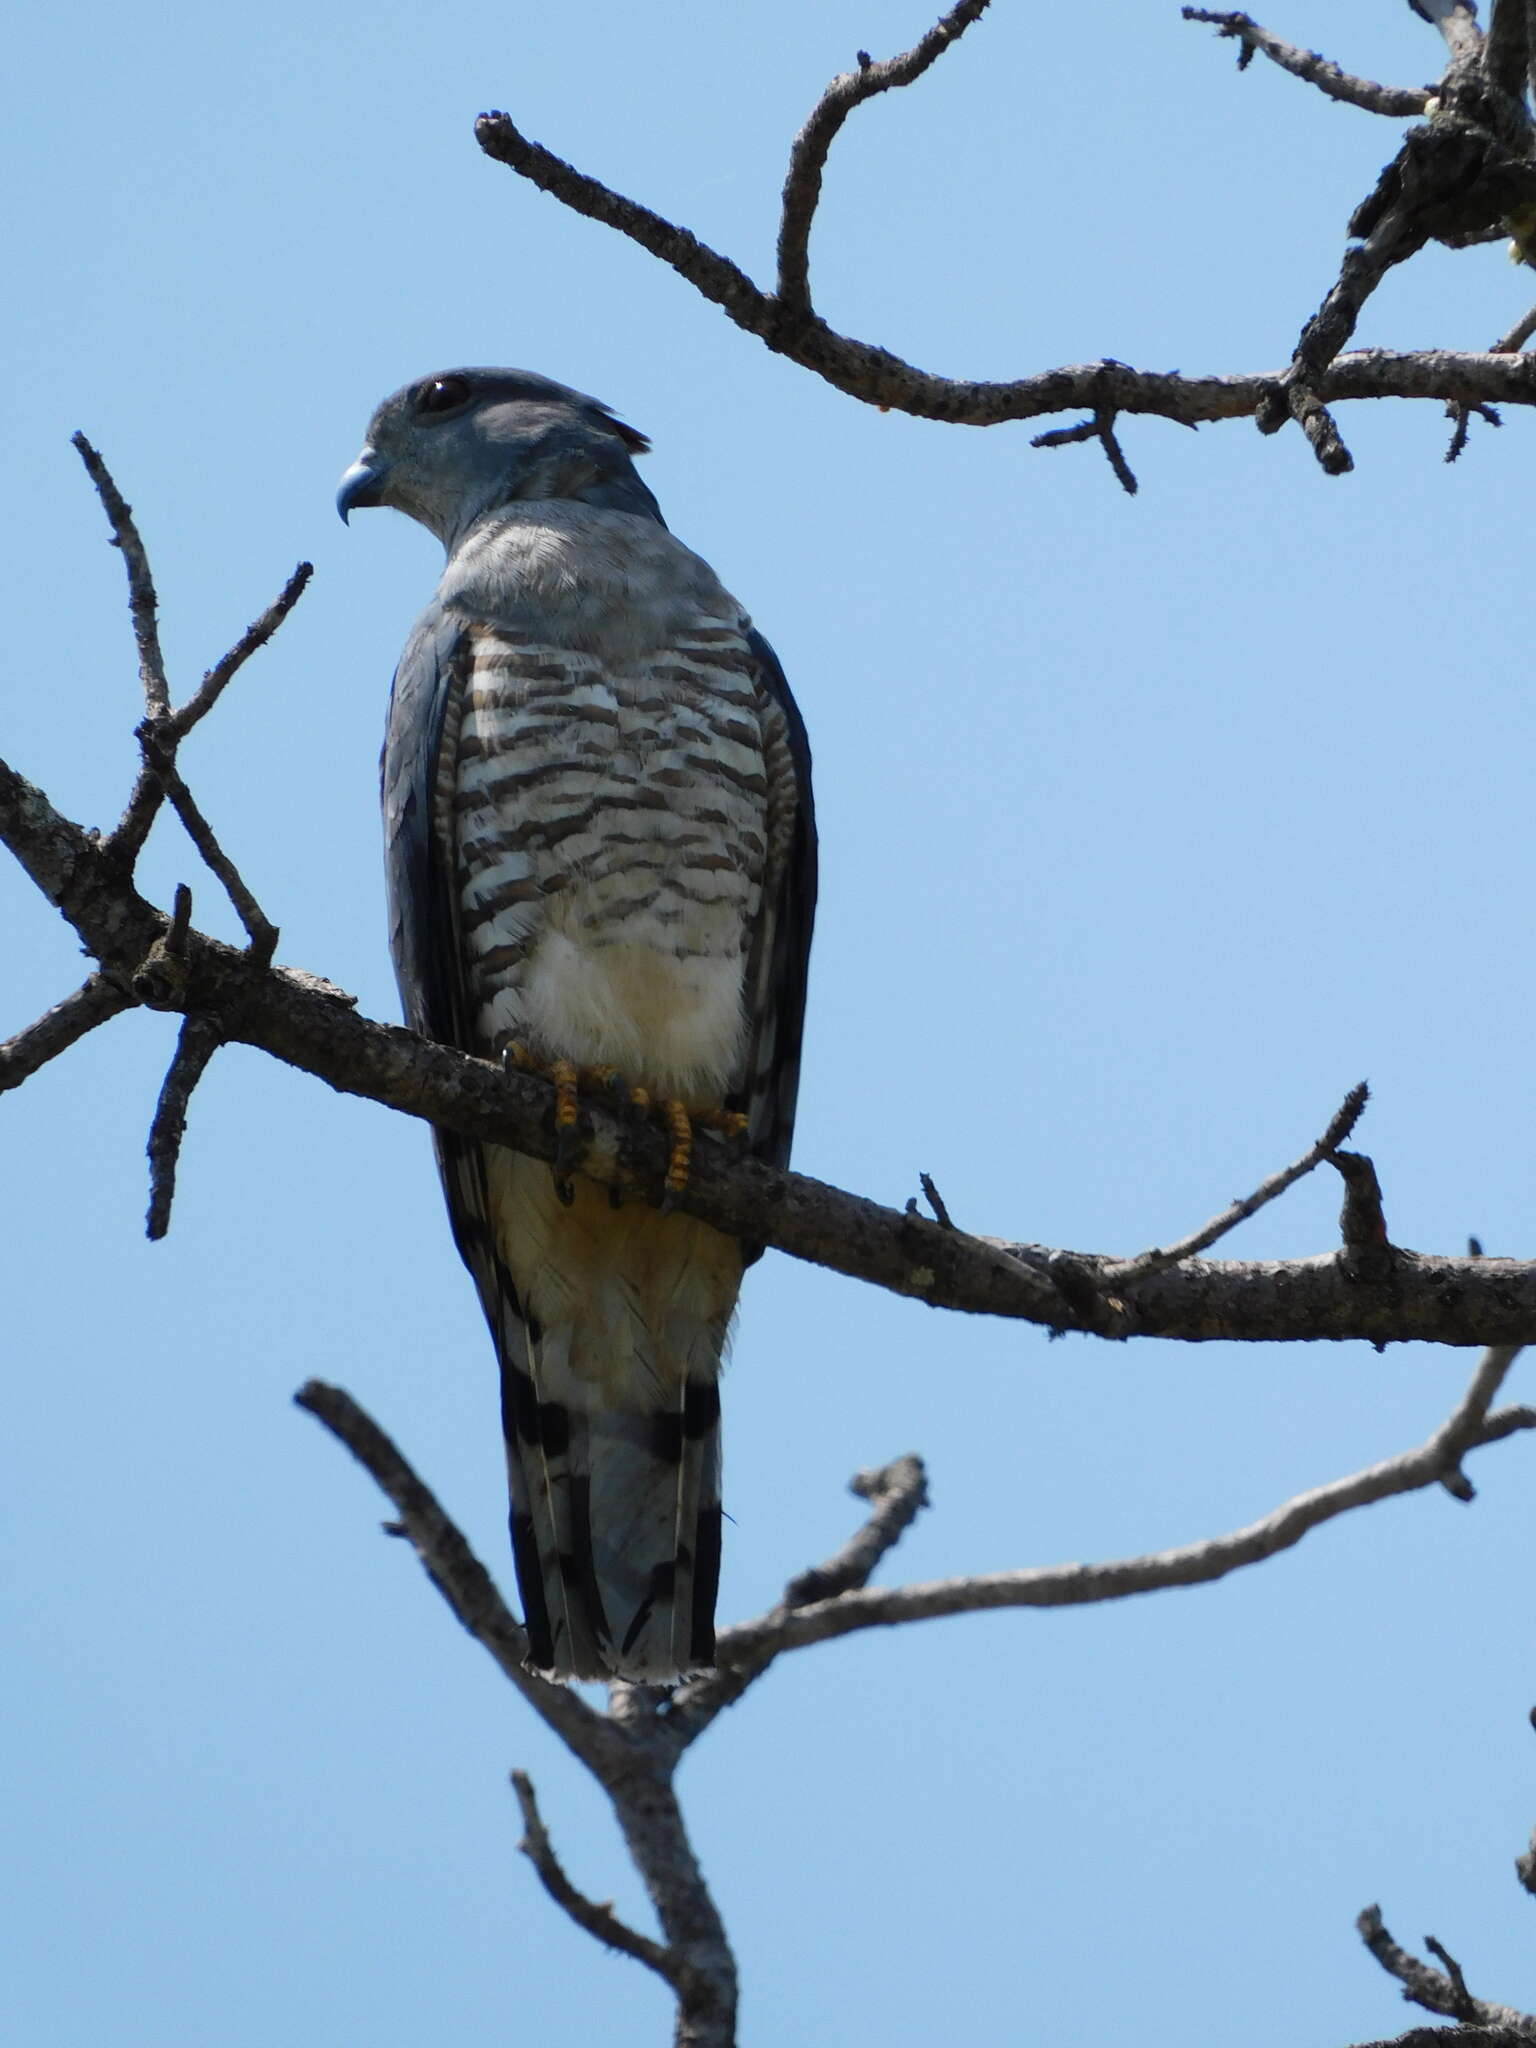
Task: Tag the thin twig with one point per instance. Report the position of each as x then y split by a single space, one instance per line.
598 1920
1507 344
159 746
1100 428
141 585
198 1041
1427 1987
256 635
936 1202
1459 1432
808 154
1391 100
1160 1257
95 1002
1075 1585
898 1493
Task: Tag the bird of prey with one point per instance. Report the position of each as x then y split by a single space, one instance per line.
602 863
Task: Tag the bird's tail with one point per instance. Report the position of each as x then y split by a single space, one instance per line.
615 1519
610 1326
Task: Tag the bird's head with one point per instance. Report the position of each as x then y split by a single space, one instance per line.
449 449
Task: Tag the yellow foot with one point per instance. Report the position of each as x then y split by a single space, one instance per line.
678 1120
569 1080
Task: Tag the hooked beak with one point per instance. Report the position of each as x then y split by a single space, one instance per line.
363 483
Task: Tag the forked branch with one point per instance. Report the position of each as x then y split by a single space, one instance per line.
1463 177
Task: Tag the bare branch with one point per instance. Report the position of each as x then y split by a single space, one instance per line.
808 155
456 1572
1454 181
1391 100
1393 237
256 635
1362 1221
600 1921
158 741
1445 2037
897 1494
1100 428
1460 1430
1456 21
1519 334
196 1045
94 1002
1505 54
1159 1258
936 1202
1446 1994
142 602
1077 1585
300 1020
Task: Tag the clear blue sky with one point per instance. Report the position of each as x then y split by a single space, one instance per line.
1149 827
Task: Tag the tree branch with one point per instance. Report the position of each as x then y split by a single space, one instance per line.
1391 100
600 1921
256 635
1456 21
808 155
1078 1585
1437 1992
898 1493
1159 1259
95 1002
302 1020
1453 206
199 1040
457 1573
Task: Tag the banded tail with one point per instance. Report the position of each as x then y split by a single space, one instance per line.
611 1412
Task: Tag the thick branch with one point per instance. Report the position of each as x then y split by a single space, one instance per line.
808 156
1457 23
1315 70
301 1020
882 379
94 1002
1505 54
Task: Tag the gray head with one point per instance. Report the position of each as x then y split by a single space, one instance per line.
450 448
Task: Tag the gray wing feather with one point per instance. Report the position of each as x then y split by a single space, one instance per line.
779 962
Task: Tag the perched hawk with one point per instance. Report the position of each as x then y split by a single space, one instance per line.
601 852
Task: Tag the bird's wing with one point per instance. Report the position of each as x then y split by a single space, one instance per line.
779 959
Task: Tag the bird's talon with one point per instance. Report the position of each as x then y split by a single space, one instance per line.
564 1076
679 1125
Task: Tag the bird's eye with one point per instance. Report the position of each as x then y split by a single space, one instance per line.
442 394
